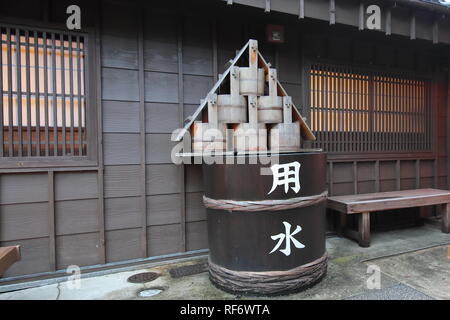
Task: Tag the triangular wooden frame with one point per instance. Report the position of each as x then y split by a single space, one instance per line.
305 131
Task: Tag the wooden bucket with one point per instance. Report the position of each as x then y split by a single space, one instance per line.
207 138
249 84
284 137
231 109
270 109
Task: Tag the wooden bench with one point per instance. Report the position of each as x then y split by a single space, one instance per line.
363 204
8 256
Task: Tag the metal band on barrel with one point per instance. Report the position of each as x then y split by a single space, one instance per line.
264 205
268 282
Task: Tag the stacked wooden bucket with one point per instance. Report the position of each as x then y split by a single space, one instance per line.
253 117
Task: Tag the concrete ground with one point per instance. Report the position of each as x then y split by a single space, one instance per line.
414 263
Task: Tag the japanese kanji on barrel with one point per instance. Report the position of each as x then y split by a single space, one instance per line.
266 231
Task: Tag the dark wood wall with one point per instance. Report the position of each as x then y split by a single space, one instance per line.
155 61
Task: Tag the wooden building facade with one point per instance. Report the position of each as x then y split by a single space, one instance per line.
86 176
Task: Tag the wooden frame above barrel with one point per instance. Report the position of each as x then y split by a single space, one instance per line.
249 101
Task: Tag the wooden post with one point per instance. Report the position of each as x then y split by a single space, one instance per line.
213 119
51 221
287 109
253 57
445 209
342 224
234 85
364 229
253 112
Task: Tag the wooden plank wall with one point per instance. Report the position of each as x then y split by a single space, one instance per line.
155 66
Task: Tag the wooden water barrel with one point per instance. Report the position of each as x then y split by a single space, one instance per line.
231 109
270 109
248 226
249 84
285 137
205 137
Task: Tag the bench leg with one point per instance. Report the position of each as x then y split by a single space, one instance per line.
364 229
342 224
445 210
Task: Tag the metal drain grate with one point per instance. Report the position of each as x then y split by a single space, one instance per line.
188 270
143 277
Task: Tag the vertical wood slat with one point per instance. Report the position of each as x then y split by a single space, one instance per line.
10 96
324 110
46 111
143 179
19 94
417 168
330 183
181 177
28 94
435 173
51 220
63 96
79 103
54 96
377 176
397 175
37 94
72 116
98 92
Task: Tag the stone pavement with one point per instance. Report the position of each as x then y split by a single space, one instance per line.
414 264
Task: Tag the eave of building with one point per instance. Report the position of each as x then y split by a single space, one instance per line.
410 18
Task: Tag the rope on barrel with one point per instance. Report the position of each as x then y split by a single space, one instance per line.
263 205
268 282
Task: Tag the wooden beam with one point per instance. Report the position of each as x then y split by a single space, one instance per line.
332 12
330 179
8 256
100 171
417 167
412 27
397 175
181 176
435 31
267 7
142 135
388 26
361 17
51 221
377 176
301 9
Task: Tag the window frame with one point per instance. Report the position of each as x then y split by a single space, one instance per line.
379 70
91 101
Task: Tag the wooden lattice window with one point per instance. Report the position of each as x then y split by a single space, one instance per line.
43 105
369 111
